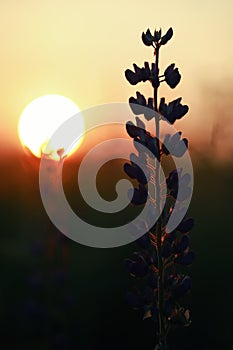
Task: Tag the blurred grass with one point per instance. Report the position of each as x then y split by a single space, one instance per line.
95 279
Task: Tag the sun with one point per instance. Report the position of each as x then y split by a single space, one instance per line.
41 118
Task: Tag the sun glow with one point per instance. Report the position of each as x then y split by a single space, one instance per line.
41 118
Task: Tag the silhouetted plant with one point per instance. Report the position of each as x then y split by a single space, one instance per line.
161 251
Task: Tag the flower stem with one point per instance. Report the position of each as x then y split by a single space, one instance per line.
162 326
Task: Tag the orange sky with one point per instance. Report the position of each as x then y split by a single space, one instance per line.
81 50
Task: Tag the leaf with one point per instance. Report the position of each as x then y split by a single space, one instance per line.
186 225
149 35
131 77
130 171
140 98
133 130
172 76
169 69
185 259
135 172
152 145
167 37
140 106
183 288
157 35
173 111
163 106
146 40
182 245
137 267
139 195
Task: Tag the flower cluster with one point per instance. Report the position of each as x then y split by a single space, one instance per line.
161 252
171 75
156 39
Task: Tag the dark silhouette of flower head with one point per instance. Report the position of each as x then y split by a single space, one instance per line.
135 172
173 110
139 195
143 141
139 74
166 37
149 39
172 76
173 185
139 105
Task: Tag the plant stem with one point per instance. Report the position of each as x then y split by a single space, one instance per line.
162 328
156 89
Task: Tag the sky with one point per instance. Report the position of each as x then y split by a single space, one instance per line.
81 50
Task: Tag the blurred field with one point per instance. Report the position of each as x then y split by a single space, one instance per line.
57 294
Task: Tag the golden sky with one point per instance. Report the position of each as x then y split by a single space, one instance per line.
81 49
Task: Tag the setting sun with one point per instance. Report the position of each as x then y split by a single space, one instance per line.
41 118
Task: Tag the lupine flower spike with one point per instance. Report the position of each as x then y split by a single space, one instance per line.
160 252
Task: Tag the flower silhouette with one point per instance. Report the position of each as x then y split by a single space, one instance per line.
163 288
